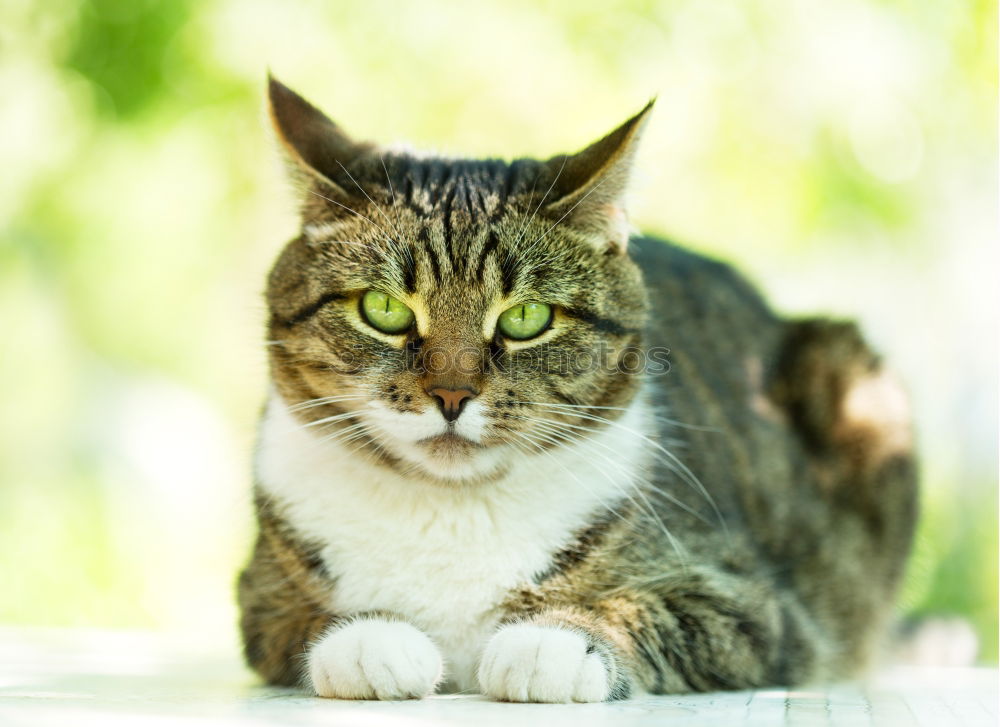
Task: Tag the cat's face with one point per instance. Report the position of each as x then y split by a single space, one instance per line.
445 317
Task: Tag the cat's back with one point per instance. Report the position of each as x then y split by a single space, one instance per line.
697 300
721 344
794 426
719 339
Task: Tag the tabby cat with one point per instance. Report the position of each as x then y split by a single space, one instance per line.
509 449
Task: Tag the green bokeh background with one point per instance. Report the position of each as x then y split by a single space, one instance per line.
843 154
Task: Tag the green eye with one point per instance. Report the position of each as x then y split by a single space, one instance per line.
385 312
525 321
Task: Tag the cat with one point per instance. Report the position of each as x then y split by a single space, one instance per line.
511 448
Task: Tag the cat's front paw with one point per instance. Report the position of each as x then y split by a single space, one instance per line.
374 659
529 663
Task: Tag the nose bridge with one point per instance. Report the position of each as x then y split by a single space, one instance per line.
452 361
453 370
453 348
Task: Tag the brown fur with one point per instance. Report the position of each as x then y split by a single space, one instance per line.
281 596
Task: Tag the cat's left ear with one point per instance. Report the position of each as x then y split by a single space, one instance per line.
316 147
590 186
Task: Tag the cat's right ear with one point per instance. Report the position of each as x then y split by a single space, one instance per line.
316 148
590 185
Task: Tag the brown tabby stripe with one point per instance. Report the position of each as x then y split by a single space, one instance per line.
309 310
424 239
488 248
602 324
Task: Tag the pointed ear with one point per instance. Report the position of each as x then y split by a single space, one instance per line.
590 185
314 145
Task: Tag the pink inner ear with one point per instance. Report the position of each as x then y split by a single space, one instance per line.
618 227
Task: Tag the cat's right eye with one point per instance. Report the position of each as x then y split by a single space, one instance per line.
385 313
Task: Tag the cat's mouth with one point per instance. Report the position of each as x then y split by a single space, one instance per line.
444 451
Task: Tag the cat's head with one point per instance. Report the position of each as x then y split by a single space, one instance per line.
446 316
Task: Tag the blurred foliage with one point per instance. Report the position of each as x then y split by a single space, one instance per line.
844 154
120 47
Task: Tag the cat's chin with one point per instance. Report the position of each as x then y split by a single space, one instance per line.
449 446
452 459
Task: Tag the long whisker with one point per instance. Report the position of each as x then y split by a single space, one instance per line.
397 243
527 222
673 462
343 433
346 435
366 431
353 243
533 440
320 401
332 419
387 179
554 426
363 430
377 206
565 214
660 417
355 212
675 465
649 510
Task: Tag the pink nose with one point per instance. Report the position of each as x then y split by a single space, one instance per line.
451 401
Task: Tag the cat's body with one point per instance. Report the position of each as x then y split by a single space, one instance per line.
576 528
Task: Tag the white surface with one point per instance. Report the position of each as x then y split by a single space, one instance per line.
83 678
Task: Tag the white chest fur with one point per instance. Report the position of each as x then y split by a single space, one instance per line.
442 558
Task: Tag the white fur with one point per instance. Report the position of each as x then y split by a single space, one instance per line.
528 663
374 659
441 557
401 432
878 404
405 426
409 427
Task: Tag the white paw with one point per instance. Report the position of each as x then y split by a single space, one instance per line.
526 663
374 659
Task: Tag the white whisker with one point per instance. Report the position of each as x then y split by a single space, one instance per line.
553 425
355 212
659 417
332 419
320 401
377 206
387 179
648 509
527 222
673 463
565 214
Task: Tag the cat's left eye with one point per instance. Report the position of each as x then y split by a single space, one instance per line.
385 313
524 321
